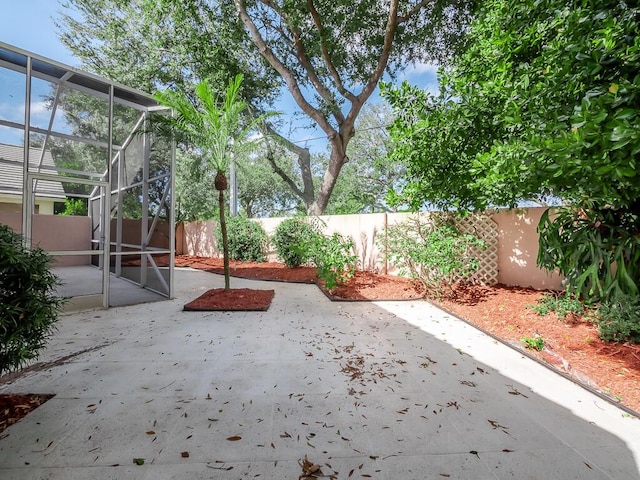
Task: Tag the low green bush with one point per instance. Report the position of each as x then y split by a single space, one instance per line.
292 237
75 206
333 257
433 252
247 239
28 306
562 304
619 319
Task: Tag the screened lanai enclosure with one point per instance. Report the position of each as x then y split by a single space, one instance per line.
82 177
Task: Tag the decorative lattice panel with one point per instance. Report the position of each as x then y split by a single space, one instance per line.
483 227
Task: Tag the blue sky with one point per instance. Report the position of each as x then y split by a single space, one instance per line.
29 25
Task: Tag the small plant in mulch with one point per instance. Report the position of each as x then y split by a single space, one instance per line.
619 320
334 259
534 343
563 304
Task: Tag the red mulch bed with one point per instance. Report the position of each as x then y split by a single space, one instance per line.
572 345
235 299
254 270
14 407
369 286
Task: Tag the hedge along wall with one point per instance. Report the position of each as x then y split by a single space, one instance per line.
510 258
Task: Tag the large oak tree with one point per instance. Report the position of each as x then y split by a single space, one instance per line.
328 55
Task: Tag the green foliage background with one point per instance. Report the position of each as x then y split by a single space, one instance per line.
28 306
543 105
247 239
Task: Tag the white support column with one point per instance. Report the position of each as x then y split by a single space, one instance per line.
26 198
144 224
106 217
120 165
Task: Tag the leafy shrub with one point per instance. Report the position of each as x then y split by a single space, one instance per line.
75 206
561 304
291 238
596 249
619 320
28 307
434 252
247 239
333 257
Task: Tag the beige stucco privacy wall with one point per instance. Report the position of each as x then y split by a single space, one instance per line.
363 230
56 233
199 239
517 243
518 250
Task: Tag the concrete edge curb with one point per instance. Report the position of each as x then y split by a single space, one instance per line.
547 365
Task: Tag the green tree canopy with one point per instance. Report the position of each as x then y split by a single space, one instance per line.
329 56
545 101
369 173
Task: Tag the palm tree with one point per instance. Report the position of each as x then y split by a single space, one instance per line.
215 127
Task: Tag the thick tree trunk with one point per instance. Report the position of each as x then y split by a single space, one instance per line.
336 162
337 159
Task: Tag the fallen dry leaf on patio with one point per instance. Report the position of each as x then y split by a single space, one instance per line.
220 468
515 391
309 469
495 424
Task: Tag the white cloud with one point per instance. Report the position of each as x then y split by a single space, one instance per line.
13 112
422 68
432 88
39 108
422 75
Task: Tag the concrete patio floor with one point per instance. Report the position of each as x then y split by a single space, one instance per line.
388 390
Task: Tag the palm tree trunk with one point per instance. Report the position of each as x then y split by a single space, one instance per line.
225 244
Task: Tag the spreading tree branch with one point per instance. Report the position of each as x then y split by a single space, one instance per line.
413 11
383 61
304 162
282 69
325 54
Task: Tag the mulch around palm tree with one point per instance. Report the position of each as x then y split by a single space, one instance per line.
233 300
